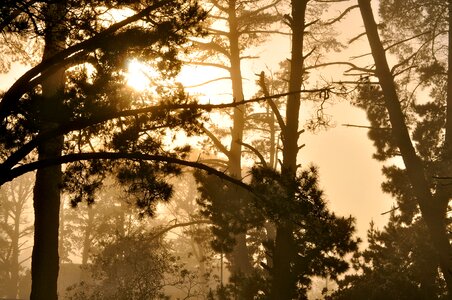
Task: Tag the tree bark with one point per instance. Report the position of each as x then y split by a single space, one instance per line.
46 193
433 207
283 279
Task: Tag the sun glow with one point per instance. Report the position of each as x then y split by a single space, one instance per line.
138 75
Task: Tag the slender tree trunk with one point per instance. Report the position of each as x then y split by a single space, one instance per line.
88 235
448 139
46 201
283 279
87 238
433 207
240 258
13 286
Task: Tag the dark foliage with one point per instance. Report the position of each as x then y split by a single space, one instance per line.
321 239
399 263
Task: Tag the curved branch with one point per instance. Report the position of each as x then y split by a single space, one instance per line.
208 64
206 82
20 170
343 14
176 225
255 151
353 67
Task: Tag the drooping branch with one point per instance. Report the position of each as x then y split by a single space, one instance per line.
217 142
25 168
177 225
255 151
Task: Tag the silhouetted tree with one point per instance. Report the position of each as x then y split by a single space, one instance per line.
418 131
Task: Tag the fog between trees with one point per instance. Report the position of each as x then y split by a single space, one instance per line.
159 193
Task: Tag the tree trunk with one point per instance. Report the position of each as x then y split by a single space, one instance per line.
240 258
433 207
283 280
87 235
46 193
448 138
13 286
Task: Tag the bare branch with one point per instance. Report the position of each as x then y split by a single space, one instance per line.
390 211
208 64
343 14
177 225
216 142
257 11
213 31
366 127
353 67
255 151
356 37
206 82
265 31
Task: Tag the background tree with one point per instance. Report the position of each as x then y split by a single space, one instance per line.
14 232
131 267
234 26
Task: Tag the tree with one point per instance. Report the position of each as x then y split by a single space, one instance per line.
318 239
398 264
48 102
424 168
247 24
132 267
14 229
286 280
284 276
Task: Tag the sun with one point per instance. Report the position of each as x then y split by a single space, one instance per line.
138 75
